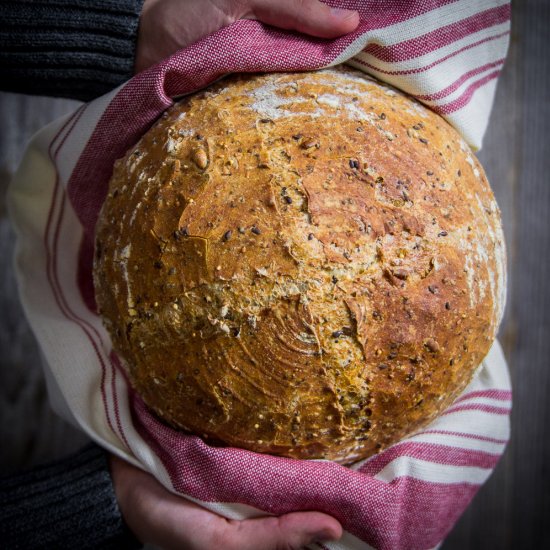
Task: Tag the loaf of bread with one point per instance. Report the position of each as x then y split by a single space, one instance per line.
309 264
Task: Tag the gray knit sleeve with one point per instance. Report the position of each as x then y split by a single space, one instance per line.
78 49
67 504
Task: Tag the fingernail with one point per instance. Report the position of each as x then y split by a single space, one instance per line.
340 12
323 536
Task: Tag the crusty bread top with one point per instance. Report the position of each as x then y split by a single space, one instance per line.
307 264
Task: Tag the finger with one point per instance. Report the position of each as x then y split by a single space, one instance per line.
308 16
294 530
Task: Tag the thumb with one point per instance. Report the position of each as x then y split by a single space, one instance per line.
290 531
308 16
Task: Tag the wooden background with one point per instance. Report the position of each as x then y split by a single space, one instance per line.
512 511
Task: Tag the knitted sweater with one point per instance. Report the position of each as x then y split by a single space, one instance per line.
78 49
67 504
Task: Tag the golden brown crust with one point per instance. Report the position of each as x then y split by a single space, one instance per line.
304 264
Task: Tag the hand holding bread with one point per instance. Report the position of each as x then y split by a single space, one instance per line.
168 521
167 26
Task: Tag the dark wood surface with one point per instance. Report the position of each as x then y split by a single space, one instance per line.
512 510
29 431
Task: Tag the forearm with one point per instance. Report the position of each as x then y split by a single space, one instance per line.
67 504
67 48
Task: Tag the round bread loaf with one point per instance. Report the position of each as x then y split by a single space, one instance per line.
309 265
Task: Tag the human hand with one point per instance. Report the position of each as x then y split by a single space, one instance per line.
158 517
166 26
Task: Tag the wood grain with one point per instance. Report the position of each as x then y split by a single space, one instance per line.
512 509
29 430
